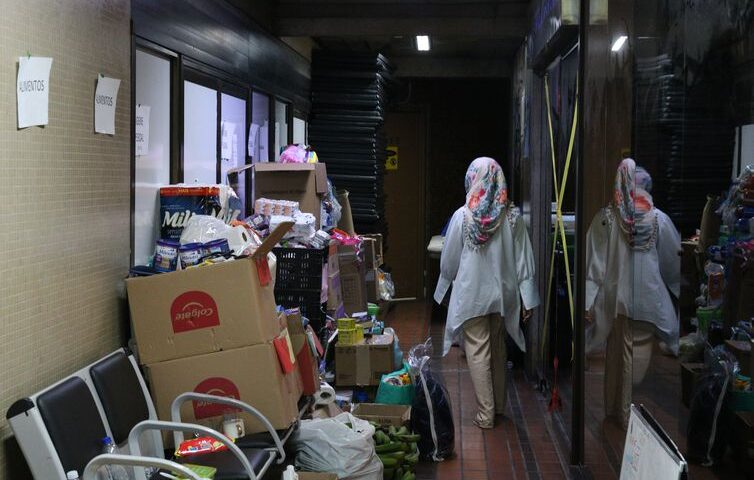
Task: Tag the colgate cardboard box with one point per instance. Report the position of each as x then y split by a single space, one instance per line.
251 374
205 309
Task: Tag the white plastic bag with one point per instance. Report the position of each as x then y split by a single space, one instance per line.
329 445
205 228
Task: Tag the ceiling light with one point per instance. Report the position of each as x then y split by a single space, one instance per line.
619 42
422 43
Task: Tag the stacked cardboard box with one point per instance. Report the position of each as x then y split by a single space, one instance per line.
364 364
215 329
352 279
304 183
334 292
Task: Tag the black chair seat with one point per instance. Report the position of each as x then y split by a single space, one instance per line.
227 465
259 440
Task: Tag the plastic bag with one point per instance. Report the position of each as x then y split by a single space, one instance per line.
385 285
707 430
394 390
330 209
431 413
691 348
330 445
204 229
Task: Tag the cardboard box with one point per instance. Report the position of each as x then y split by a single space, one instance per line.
364 364
300 182
334 293
201 310
204 309
690 373
346 218
372 285
305 358
251 374
382 414
352 280
373 250
333 266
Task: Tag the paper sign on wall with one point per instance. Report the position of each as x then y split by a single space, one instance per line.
105 98
33 91
141 133
226 141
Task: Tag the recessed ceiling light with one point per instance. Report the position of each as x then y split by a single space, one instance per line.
619 42
422 43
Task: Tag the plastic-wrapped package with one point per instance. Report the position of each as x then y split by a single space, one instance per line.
342 445
204 229
179 203
330 211
707 430
691 348
385 285
431 412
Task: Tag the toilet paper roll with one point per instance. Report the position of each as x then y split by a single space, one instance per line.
325 395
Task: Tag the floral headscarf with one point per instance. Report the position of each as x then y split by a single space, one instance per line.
643 179
633 205
486 201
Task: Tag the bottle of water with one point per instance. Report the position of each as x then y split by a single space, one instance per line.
112 472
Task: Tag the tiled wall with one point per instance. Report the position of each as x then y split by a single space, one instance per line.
64 199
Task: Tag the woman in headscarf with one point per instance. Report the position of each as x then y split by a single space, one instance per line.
487 257
633 273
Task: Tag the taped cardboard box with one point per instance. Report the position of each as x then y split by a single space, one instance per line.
304 183
205 309
364 364
251 374
334 293
383 414
307 361
352 279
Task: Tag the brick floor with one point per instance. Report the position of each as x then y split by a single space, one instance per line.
521 446
529 443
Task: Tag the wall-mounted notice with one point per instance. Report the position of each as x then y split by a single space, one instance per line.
33 91
141 132
105 98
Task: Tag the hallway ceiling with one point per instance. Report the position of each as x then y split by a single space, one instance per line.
470 38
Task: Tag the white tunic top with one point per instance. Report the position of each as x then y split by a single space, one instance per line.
492 279
634 283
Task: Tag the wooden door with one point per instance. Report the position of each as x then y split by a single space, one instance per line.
404 203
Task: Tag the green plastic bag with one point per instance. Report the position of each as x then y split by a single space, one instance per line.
395 394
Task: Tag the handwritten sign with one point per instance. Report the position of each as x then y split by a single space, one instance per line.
105 99
33 91
141 132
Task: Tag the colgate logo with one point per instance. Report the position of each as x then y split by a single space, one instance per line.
222 387
192 311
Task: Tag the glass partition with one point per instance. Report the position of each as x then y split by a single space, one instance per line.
152 170
233 141
199 134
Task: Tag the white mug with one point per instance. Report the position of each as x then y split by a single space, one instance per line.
233 428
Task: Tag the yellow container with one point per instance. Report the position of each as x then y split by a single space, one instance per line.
349 336
346 323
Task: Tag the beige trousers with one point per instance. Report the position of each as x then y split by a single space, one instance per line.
627 358
484 343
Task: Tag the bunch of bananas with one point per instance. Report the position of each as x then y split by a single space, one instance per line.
397 450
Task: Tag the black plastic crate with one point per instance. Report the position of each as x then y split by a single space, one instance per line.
309 301
299 268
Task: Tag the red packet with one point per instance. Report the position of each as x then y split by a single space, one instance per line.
263 270
284 350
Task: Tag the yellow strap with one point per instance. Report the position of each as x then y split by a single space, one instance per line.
560 227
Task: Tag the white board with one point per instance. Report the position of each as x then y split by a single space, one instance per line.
649 454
